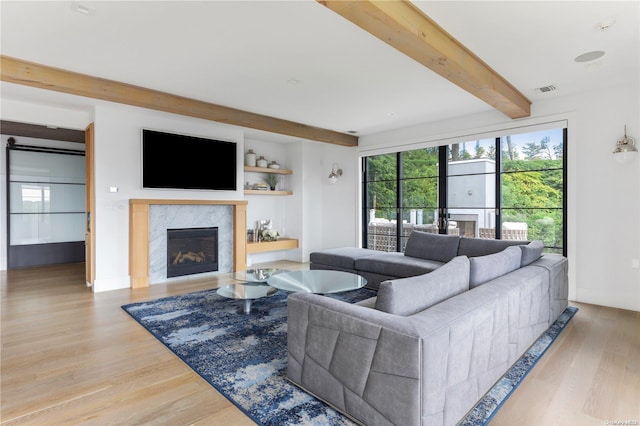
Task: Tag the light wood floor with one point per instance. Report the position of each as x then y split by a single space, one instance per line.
73 357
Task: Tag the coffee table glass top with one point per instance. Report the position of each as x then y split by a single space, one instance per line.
256 275
317 281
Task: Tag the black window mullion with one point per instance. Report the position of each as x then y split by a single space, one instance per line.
365 204
8 200
564 191
442 189
399 209
498 180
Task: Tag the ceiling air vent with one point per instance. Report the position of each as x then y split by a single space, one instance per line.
545 89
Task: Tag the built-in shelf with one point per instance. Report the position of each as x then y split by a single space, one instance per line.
264 246
268 192
252 169
267 170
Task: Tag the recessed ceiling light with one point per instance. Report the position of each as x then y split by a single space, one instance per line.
80 8
293 81
589 56
390 114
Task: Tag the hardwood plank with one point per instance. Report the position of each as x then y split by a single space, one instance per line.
406 28
579 381
14 70
70 356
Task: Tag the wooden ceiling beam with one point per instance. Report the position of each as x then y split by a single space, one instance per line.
405 27
17 71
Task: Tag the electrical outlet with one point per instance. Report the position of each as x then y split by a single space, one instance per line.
635 263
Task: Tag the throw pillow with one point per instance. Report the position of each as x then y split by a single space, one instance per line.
424 245
531 252
407 296
472 247
486 268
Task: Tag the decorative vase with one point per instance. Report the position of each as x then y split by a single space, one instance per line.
274 165
250 158
262 162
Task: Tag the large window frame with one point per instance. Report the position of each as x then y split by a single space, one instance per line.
442 211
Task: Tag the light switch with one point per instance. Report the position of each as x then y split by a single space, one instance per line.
113 189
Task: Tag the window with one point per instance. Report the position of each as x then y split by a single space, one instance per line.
509 187
533 185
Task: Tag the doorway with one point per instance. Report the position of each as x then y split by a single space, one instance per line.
45 195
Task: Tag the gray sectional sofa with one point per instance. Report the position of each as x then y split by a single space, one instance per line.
424 253
427 347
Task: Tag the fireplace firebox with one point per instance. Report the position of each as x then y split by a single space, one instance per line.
191 251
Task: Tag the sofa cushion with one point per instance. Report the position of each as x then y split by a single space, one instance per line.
531 252
486 268
438 247
408 296
394 264
481 246
367 303
342 257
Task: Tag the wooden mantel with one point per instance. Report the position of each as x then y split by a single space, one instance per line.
139 234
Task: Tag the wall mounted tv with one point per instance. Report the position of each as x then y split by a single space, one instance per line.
187 162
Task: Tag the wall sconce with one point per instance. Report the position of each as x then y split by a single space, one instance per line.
625 149
336 172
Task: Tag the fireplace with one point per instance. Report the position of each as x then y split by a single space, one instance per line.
191 251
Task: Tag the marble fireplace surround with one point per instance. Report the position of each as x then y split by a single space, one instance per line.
139 234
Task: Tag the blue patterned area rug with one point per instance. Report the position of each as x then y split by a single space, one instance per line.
244 357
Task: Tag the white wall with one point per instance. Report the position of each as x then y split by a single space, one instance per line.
318 214
117 154
330 210
325 215
603 196
261 207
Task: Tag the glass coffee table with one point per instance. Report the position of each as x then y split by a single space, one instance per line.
253 287
317 281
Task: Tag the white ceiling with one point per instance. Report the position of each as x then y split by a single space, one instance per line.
299 61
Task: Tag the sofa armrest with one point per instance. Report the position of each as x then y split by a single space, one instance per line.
354 358
558 269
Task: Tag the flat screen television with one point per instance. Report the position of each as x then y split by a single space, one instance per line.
187 162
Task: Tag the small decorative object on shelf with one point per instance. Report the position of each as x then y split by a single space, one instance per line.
250 158
263 231
272 181
274 165
260 186
270 235
262 162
